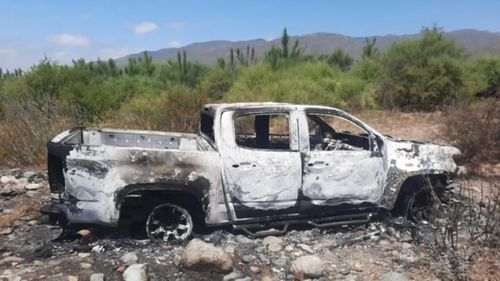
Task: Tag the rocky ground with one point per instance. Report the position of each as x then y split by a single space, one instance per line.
385 249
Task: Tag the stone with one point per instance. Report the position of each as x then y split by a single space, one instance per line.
135 272
97 277
7 179
243 239
199 255
311 266
266 278
280 262
390 231
393 276
244 279
254 269
83 232
264 259
232 276
129 258
33 186
6 231
344 269
72 278
247 258
85 265
273 243
29 174
306 248
83 255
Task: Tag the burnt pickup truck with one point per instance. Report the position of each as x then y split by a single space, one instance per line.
256 166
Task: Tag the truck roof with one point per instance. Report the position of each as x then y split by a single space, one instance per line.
213 107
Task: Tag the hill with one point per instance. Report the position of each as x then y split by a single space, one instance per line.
474 41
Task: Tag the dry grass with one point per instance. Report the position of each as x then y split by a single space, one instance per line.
475 130
27 126
426 126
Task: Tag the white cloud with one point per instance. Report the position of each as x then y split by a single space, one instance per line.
67 39
174 44
177 26
145 27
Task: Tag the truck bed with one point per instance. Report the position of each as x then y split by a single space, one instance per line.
135 138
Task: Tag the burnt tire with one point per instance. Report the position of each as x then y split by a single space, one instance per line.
417 206
169 223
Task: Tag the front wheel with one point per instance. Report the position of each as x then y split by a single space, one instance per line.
419 206
169 223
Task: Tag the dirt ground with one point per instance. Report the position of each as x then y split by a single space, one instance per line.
385 249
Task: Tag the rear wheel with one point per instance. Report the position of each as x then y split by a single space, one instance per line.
169 223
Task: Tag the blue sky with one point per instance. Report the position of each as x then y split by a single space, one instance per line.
63 30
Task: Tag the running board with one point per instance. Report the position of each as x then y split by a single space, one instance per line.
363 218
319 223
261 233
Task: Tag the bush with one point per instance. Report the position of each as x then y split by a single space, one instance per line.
309 83
28 125
174 110
475 130
217 83
423 74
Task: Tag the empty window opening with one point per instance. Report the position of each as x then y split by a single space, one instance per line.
330 132
263 131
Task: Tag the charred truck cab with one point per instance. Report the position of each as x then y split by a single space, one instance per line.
252 165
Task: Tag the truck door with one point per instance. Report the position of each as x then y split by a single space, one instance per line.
261 162
340 166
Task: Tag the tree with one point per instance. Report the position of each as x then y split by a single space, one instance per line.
284 44
370 51
339 58
423 73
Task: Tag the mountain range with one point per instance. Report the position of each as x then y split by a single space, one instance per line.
474 41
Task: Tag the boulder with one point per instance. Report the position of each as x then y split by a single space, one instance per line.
7 179
97 277
311 266
33 186
129 258
135 272
199 255
273 243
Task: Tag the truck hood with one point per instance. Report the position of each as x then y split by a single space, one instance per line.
417 156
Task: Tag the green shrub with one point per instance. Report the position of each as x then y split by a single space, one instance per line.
174 110
310 83
424 73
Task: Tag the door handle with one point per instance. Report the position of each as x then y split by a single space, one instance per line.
317 163
246 164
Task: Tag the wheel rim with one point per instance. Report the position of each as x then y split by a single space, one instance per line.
169 223
420 207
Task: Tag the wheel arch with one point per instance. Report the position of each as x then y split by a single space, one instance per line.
157 193
414 183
